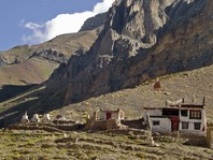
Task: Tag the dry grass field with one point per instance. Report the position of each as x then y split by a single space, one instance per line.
191 85
27 65
36 70
32 71
41 145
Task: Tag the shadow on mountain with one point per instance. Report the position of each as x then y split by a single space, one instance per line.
14 114
38 101
9 91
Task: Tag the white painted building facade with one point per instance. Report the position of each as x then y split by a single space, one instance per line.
186 118
114 114
161 124
193 120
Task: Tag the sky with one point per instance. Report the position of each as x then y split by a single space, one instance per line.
36 21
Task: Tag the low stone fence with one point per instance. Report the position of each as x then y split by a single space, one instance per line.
50 127
95 125
184 138
134 123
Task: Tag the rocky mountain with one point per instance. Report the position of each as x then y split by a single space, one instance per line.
23 66
58 49
141 40
94 22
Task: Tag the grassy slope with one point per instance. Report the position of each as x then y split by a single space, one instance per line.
70 43
32 71
66 43
23 71
89 146
36 144
19 51
189 85
37 70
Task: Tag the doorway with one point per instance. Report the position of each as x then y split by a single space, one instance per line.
175 123
108 115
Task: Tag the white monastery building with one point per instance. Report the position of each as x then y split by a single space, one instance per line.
177 116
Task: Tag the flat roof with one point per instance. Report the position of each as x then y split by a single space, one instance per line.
192 105
159 116
182 106
112 111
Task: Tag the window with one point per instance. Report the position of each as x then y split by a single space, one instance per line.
170 112
155 123
195 114
184 113
185 125
197 126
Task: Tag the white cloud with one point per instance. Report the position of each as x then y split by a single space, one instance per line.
102 6
38 33
62 23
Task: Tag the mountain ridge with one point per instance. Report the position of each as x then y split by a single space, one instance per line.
118 61
27 65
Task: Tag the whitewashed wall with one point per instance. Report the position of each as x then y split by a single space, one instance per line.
191 124
163 127
104 118
165 123
152 112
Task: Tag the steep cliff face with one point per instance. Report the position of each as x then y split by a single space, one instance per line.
141 39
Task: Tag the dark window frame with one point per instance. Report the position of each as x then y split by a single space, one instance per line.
185 125
170 112
184 113
195 114
155 123
197 125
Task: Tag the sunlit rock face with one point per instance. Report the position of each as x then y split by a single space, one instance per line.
141 39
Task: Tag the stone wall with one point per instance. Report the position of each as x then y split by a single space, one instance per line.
109 124
135 123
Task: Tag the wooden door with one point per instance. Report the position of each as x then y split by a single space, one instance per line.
108 115
175 123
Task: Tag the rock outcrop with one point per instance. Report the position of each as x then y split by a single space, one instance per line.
141 39
96 22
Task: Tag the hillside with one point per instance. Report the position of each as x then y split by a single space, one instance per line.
141 40
112 67
190 85
23 66
82 145
23 145
95 22
121 58
62 46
